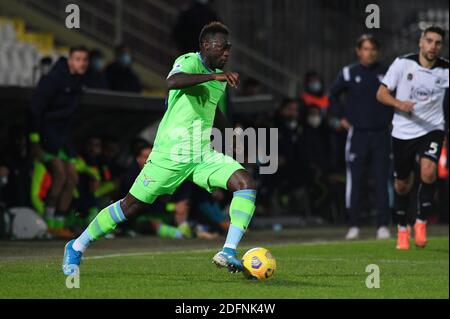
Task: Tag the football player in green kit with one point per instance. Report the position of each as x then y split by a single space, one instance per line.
182 151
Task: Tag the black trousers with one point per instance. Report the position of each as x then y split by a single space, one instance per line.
368 151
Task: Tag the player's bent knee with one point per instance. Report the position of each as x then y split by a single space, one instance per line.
240 180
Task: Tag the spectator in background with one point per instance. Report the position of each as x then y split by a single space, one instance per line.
290 175
109 157
209 210
190 22
43 68
251 87
313 94
16 172
317 151
368 140
54 101
95 77
88 167
120 75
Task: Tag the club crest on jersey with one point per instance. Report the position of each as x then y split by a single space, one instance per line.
357 79
147 180
409 77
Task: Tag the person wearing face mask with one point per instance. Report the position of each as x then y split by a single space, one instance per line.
290 174
368 145
317 151
313 94
95 78
120 75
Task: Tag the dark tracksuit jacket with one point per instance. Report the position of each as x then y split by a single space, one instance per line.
55 100
368 142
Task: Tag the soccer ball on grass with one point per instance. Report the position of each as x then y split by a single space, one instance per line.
259 264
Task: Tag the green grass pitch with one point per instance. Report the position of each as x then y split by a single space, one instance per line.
312 270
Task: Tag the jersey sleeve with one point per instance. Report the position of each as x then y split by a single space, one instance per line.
446 78
393 75
184 64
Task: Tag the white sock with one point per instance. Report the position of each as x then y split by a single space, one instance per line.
82 242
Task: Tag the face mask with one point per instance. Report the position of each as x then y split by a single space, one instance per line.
45 68
314 120
315 87
125 59
97 64
292 124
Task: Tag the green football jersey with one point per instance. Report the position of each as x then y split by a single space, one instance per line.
185 128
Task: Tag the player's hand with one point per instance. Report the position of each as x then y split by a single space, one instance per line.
36 152
231 77
405 106
345 124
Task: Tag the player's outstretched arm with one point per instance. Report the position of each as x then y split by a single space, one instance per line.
384 96
183 80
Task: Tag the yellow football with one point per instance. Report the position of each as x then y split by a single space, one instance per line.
259 264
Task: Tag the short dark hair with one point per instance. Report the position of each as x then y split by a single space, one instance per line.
211 29
367 37
78 48
435 29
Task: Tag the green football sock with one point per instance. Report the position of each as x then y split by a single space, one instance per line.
106 221
242 208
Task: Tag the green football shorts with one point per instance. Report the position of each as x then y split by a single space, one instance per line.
162 176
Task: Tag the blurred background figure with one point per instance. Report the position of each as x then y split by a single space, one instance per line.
190 22
95 77
15 169
120 74
314 92
368 142
53 104
285 184
43 68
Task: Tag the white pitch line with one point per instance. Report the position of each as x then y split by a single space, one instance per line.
311 243
159 252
